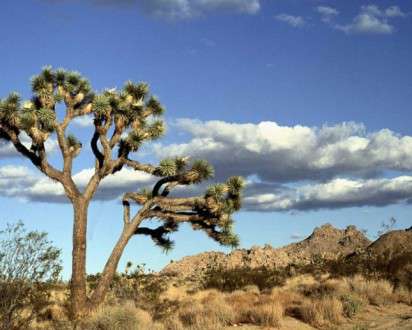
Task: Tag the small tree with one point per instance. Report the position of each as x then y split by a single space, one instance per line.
123 121
386 226
28 262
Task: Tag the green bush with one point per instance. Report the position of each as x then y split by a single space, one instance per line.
29 265
235 279
351 305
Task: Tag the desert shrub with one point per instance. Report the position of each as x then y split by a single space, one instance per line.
377 292
217 307
331 309
124 317
267 313
403 295
252 288
206 312
143 287
320 290
241 302
29 264
288 299
195 316
235 279
351 305
253 308
173 323
321 312
163 308
309 313
396 269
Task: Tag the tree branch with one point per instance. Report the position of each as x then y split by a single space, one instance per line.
40 161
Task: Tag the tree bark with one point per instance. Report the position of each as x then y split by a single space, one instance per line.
78 280
111 266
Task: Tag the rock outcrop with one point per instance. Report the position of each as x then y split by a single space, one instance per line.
326 242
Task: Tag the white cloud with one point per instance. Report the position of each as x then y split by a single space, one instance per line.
392 11
21 182
372 20
292 153
367 24
294 21
337 193
183 9
287 167
327 13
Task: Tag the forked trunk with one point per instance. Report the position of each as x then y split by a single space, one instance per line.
78 281
80 304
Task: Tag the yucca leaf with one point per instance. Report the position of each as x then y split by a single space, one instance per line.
156 129
204 169
154 106
167 167
27 119
235 184
138 91
46 118
101 106
216 191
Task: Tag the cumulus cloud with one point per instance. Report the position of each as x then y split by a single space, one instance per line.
294 21
337 193
327 13
183 9
282 154
288 168
22 183
372 20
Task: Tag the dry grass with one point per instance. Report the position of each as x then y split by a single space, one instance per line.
251 288
320 302
377 292
403 295
325 311
269 313
124 317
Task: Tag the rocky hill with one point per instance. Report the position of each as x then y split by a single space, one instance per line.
392 244
390 255
326 242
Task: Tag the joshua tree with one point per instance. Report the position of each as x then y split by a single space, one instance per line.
123 121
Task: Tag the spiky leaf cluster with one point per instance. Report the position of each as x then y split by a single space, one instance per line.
37 117
52 86
167 167
10 109
184 171
131 111
212 214
222 200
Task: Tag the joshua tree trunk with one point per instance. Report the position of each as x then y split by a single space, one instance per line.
78 280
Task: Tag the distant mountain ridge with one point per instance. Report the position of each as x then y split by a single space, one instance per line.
326 242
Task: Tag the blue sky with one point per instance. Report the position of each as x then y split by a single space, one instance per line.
261 88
